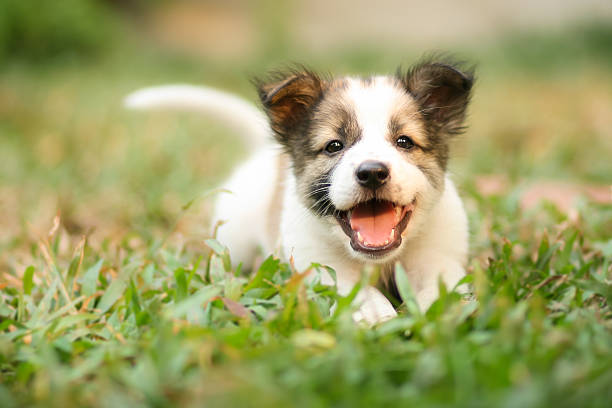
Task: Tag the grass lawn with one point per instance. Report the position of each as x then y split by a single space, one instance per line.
112 292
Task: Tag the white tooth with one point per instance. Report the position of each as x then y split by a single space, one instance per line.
392 234
359 237
366 243
386 242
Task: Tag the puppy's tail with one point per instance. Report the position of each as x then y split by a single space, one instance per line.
239 114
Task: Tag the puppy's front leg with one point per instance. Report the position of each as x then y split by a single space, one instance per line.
449 270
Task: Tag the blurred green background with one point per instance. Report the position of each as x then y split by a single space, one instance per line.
542 108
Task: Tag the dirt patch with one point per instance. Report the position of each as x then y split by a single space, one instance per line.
563 195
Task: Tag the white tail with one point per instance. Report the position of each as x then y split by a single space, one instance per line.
239 114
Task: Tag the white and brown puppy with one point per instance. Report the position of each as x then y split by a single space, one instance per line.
360 178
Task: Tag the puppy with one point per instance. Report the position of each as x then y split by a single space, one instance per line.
354 177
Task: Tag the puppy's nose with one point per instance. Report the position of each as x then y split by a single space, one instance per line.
372 174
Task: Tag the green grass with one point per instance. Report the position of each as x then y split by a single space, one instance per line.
137 323
124 303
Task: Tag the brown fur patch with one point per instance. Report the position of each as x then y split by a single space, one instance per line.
443 93
287 98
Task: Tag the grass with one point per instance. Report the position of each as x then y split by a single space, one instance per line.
124 300
137 323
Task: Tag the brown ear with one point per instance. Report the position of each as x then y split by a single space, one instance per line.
288 98
443 93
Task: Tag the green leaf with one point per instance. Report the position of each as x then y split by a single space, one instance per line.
71 320
313 339
222 252
194 302
467 279
89 280
545 254
28 280
265 272
217 269
601 288
405 290
194 269
565 255
180 277
112 294
398 324
215 245
72 268
134 301
45 304
322 269
233 287
605 247
344 302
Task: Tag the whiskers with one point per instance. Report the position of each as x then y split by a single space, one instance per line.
318 202
319 193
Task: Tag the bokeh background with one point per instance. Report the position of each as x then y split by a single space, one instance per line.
541 119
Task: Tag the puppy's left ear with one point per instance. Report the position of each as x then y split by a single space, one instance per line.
443 93
288 98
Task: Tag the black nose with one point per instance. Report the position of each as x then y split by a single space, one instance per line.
372 174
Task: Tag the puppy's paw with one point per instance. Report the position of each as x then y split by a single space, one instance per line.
426 297
375 308
371 317
452 272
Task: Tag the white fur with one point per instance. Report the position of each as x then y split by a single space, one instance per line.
243 209
236 112
434 245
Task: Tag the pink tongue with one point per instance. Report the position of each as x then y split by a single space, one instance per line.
374 220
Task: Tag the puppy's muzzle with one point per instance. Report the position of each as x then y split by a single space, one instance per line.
372 174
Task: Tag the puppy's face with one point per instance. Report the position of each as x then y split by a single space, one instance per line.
369 155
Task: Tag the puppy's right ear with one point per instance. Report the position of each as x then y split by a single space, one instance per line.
288 98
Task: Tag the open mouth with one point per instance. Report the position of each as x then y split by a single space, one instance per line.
375 227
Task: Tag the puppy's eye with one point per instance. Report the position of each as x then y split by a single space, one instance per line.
334 146
405 142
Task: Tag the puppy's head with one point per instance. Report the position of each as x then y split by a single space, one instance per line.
369 154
